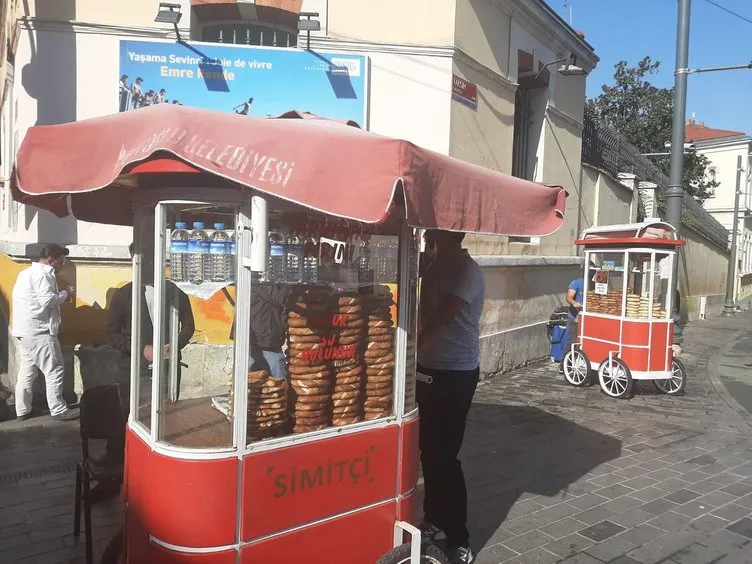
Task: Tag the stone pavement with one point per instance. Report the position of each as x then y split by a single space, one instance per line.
563 474
555 473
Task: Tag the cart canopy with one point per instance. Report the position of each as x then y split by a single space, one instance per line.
321 164
648 233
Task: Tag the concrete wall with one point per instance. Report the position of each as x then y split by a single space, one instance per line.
702 273
521 294
604 200
418 22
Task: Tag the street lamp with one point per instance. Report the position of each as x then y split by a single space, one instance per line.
569 68
729 308
169 13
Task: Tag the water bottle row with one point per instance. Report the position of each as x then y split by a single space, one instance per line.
196 256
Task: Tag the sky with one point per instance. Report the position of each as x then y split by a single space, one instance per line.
632 29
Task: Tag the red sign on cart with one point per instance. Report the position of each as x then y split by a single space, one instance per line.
299 484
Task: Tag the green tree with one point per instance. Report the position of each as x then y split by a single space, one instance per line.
642 113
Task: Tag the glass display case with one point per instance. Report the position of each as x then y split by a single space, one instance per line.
639 291
320 335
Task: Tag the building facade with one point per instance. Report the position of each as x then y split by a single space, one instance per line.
723 149
477 80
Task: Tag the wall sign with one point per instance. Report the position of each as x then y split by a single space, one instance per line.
464 92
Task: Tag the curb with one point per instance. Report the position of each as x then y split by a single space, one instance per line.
720 389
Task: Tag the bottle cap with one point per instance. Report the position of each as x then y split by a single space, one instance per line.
180 225
198 225
219 226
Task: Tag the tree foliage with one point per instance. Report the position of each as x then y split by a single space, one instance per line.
642 112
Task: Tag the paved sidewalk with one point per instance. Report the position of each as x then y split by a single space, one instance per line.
563 474
555 473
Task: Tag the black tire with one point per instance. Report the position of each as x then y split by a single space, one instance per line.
429 554
113 552
615 378
576 368
675 385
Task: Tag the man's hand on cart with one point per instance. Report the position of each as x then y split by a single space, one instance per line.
149 353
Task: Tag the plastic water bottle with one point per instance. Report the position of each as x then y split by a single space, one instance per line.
179 252
198 252
294 266
219 251
233 246
275 271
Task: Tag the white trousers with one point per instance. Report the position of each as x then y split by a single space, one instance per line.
42 352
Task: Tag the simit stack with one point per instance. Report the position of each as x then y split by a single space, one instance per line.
379 355
267 404
348 368
310 372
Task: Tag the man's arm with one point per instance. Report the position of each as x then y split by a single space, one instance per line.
116 322
46 293
571 294
185 315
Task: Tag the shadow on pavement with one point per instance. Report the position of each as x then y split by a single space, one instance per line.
514 452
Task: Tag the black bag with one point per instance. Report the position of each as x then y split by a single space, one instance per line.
558 318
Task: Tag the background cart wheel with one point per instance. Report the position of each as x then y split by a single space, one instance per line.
576 367
673 386
429 554
615 378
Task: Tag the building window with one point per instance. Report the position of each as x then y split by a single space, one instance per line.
241 33
529 115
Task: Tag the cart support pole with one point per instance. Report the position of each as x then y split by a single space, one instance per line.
729 308
675 192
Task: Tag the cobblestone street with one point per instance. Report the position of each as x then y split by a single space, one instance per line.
555 473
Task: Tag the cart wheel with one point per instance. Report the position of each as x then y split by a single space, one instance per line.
615 378
429 554
673 386
576 367
113 552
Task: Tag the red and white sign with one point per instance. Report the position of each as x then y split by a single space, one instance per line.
464 92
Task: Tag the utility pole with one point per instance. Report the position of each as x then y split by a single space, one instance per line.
675 192
729 308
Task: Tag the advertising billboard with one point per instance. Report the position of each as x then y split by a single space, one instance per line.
243 79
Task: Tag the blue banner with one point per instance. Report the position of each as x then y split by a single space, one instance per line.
243 79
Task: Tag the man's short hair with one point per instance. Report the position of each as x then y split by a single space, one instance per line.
53 251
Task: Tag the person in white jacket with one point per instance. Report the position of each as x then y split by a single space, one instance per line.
35 323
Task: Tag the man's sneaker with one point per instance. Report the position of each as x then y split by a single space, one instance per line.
430 533
67 415
25 416
463 555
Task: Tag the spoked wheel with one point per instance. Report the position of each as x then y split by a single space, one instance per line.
615 378
576 366
429 554
673 386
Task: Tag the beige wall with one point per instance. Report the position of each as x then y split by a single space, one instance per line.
483 32
413 22
106 12
603 200
561 166
484 137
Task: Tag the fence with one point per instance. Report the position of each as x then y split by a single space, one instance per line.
606 149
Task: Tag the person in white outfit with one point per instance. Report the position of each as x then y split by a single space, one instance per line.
35 323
